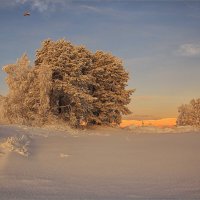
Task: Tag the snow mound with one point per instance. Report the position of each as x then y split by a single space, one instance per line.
17 144
62 155
153 129
62 128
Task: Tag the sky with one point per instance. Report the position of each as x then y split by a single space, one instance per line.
158 41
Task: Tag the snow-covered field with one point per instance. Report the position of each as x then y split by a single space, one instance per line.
117 164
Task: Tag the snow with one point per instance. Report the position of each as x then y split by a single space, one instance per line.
17 144
154 129
104 163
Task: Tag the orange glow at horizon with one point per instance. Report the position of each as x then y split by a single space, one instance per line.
166 122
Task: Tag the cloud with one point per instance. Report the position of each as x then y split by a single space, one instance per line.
8 3
40 5
52 5
91 8
21 1
189 49
43 5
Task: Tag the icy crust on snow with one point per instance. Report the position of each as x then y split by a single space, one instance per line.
18 144
153 129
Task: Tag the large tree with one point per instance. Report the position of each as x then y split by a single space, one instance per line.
71 67
69 83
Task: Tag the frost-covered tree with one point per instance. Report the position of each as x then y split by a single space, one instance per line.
18 104
67 83
2 98
109 89
189 114
71 74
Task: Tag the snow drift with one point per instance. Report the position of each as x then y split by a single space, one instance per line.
17 144
100 164
154 129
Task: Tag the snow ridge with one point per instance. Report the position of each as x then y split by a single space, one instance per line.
16 144
153 129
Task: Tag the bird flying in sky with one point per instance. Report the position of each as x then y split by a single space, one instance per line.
26 13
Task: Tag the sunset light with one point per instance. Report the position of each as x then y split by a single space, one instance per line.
166 122
99 99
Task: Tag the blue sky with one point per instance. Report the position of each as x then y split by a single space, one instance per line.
158 41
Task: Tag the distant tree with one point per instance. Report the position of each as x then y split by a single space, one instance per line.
68 83
189 114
